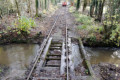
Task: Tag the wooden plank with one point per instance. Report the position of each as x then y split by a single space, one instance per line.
63 64
55 65
87 60
53 58
53 55
46 78
56 42
56 45
42 58
52 48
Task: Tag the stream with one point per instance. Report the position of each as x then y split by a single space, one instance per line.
17 57
106 55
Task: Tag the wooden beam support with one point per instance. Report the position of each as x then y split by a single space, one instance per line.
87 61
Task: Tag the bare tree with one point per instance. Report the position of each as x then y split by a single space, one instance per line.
36 5
17 5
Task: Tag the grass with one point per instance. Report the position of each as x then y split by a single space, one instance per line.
0 70
84 19
87 23
87 27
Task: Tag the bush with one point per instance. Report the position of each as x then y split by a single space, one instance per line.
24 24
115 35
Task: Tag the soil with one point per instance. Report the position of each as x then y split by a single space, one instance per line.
106 71
80 70
3 70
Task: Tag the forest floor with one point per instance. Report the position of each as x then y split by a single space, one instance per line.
9 32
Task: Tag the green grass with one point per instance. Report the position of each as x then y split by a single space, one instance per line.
87 23
0 70
84 19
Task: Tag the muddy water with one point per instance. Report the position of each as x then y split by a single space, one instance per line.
17 57
106 55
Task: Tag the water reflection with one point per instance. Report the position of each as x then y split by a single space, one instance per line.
98 55
17 57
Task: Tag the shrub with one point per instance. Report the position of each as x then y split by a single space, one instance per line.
24 24
115 35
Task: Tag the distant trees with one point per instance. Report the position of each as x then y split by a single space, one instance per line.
21 7
96 7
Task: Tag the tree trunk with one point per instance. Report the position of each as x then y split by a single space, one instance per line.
101 5
17 5
36 2
91 10
92 6
78 5
29 6
0 13
84 5
96 7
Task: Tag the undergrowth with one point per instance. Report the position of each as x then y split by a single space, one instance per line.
90 31
87 24
24 24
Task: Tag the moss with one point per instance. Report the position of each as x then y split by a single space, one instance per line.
0 70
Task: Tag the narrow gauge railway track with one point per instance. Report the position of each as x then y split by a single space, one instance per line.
50 53
55 60
41 49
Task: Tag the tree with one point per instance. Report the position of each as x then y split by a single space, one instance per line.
111 23
45 4
92 6
29 6
78 5
100 10
85 4
36 5
0 13
17 5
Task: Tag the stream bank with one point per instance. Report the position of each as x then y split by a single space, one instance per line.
105 62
